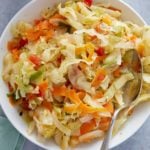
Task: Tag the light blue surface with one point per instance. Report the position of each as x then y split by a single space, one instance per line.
10 139
141 140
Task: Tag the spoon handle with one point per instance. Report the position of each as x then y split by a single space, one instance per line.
105 145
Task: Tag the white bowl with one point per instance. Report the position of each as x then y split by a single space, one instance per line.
30 12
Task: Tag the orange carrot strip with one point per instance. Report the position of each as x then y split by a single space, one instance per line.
98 95
33 35
74 97
81 95
43 87
87 109
35 60
59 91
117 73
71 108
63 91
16 54
47 105
100 75
49 34
133 38
98 29
87 127
110 107
43 25
13 44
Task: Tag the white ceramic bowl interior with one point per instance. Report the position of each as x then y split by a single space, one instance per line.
30 12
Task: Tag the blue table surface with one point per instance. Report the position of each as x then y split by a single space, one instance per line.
141 140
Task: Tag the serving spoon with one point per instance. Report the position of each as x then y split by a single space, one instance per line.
131 90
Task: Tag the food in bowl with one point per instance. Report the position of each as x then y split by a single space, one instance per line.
65 71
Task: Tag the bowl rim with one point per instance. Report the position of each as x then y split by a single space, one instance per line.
10 120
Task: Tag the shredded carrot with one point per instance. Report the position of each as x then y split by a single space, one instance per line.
117 73
37 21
97 61
69 93
16 54
41 28
30 96
35 60
17 43
74 97
96 115
71 108
98 29
43 25
87 109
48 34
110 107
81 95
87 127
98 95
133 38
100 75
80 50
47 105
43 87
59 91
33 35
13 44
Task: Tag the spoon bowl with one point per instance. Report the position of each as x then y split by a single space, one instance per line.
133 87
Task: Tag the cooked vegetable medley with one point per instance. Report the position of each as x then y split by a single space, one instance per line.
65 71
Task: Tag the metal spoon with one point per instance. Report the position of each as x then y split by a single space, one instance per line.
131 90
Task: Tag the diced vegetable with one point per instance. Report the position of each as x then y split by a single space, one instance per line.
88 2
35 60
47 105
100 51
110 107
36 75
17 44
43 87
